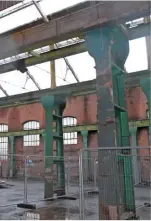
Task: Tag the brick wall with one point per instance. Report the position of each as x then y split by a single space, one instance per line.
84 108
136 104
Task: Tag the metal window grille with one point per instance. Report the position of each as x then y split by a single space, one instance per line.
31 140
3 143
69 121
147 113
31 125
72 137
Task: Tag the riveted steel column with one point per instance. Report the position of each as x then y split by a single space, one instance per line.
12 156
54 106
110 47
60 149
145 84
47 102
133 133
86 153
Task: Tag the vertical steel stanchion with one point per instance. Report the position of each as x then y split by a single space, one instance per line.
81 202
25 180
67 183
95 174
67 189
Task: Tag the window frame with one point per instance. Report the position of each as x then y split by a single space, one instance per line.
70 138
4 143
31 140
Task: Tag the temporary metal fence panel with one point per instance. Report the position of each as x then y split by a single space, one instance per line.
53 177
114 174
30 179
114 180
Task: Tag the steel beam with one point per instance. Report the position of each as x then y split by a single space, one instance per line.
48 56
69 23
148 47
7 4
133 33
3 90
78 128
40 11
140 31
77 89
33 79
16 9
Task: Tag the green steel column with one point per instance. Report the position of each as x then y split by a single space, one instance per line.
52 71
47 102
133 133
86 153
109 46
60 151
129 195
12 156
145 84
125 142
44 141
123 114
54 106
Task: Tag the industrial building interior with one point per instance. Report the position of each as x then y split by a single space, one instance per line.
75 110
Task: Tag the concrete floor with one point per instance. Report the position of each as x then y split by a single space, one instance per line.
59 209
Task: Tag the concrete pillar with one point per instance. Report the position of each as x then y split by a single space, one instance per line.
135 161
12 156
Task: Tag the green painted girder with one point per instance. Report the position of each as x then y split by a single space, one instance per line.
65 51
77 89
48 56
139 123
65 24
79 128
21 133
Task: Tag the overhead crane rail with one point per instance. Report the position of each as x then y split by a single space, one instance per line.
64 49
68 23
131 80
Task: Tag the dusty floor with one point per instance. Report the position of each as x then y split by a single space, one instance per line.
59 209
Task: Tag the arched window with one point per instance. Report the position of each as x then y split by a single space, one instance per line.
31 140
70 137
147 113
69 121
3 143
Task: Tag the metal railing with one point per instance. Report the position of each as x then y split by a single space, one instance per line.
122 179
114 179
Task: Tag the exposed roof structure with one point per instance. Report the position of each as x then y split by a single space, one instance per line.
68 70
7 4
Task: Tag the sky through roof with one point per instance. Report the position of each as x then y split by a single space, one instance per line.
83 65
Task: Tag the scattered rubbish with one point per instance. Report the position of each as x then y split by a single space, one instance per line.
93 192
147 204
61 197
3 185
26 206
